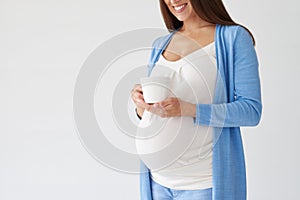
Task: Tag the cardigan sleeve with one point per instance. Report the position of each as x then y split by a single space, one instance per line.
245 108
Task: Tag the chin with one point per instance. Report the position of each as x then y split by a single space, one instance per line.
181 18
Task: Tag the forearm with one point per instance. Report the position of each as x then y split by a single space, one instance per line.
234 114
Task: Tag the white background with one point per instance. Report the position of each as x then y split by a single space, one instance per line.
43 44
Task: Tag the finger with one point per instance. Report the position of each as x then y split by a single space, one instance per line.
157 111
136 91
148 107
138 87
139 97
163 113
152 107
142 105
165 102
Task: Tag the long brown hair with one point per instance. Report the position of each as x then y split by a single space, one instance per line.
212 11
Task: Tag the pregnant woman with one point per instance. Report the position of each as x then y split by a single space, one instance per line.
211 61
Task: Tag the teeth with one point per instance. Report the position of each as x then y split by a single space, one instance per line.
179 7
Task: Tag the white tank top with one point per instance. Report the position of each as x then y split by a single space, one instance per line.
183 149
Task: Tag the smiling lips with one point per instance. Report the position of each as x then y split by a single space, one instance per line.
180 8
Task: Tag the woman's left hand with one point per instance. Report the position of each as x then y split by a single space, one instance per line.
173 107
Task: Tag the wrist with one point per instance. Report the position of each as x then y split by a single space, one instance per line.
139 112
191 110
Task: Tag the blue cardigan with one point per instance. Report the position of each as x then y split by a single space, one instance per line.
237 102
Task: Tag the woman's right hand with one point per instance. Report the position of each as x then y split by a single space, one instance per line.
138 99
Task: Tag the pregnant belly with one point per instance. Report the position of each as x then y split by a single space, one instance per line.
162 142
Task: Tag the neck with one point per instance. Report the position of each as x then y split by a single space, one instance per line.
194 23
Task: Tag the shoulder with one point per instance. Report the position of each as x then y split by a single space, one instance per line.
231 29
162 40
233 33
157 47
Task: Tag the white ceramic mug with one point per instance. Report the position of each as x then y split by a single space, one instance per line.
155 89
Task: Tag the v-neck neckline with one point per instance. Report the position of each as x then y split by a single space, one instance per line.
188 55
